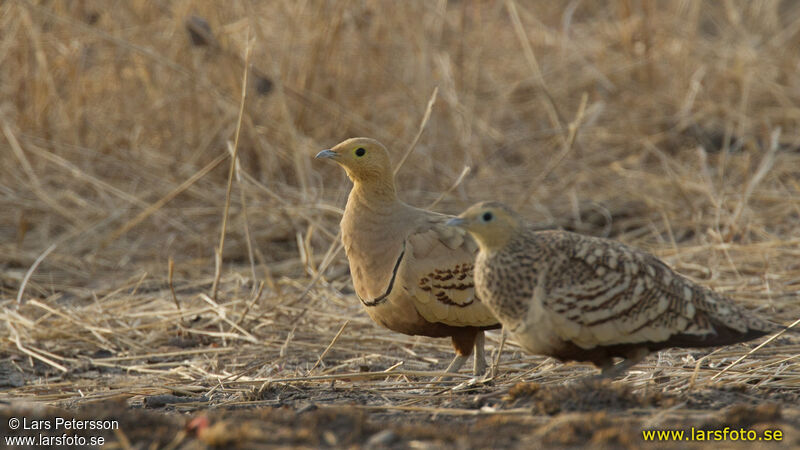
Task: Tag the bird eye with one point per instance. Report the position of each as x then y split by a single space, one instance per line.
360 151
487 216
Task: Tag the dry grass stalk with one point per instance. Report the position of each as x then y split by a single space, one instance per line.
231 172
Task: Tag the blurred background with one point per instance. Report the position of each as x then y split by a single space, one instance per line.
644 121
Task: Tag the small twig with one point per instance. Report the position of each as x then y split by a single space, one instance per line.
496 361
353 376
458 181
138 283
159 355
394 366
527 50
32 353
223 316
256 296
71 319
248 239
283 202
696 371
574 126
217 271
36 185
170 271
333 251
285 345
422 124
223 335
766 164
231 171
32 269
327 349
450 411
147 212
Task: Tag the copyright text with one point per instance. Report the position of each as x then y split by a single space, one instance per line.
57 431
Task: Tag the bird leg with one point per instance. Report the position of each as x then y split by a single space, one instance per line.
479 363
456 363
454 366
469 340
631 359
464 340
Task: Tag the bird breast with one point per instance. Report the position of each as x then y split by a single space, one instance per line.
497 283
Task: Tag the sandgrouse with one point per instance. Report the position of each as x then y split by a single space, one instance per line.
412 273
575 297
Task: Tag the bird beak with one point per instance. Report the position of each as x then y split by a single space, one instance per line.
326 154
456 222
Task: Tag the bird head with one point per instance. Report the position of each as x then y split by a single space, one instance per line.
365 160
491 224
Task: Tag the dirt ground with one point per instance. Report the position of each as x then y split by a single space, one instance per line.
148 277
356 413
374 389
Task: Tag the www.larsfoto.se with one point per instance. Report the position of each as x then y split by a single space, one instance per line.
725 434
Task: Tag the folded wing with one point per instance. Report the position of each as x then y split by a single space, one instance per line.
618 295
437 270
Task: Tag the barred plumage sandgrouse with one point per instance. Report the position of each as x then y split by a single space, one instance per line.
412 273
576 297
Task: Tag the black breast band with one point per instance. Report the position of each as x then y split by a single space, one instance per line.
385 296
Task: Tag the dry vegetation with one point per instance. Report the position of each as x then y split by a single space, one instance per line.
672 126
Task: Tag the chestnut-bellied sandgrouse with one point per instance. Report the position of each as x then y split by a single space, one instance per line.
582 298
412 273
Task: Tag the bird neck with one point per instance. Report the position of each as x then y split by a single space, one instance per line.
490 243
374 193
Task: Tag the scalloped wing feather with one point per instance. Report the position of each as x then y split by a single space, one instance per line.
437 273
618 295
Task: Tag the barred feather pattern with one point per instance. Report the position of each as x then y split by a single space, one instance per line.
560 290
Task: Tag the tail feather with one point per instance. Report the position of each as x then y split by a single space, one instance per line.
726 335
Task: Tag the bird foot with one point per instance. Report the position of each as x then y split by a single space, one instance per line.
473 382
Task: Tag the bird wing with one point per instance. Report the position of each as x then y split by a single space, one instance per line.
437 273
601 292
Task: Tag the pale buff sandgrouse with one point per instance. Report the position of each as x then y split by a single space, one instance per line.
412 273
582 298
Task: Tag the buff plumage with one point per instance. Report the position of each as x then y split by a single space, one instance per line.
412 273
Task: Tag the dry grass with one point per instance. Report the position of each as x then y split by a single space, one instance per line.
672 126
